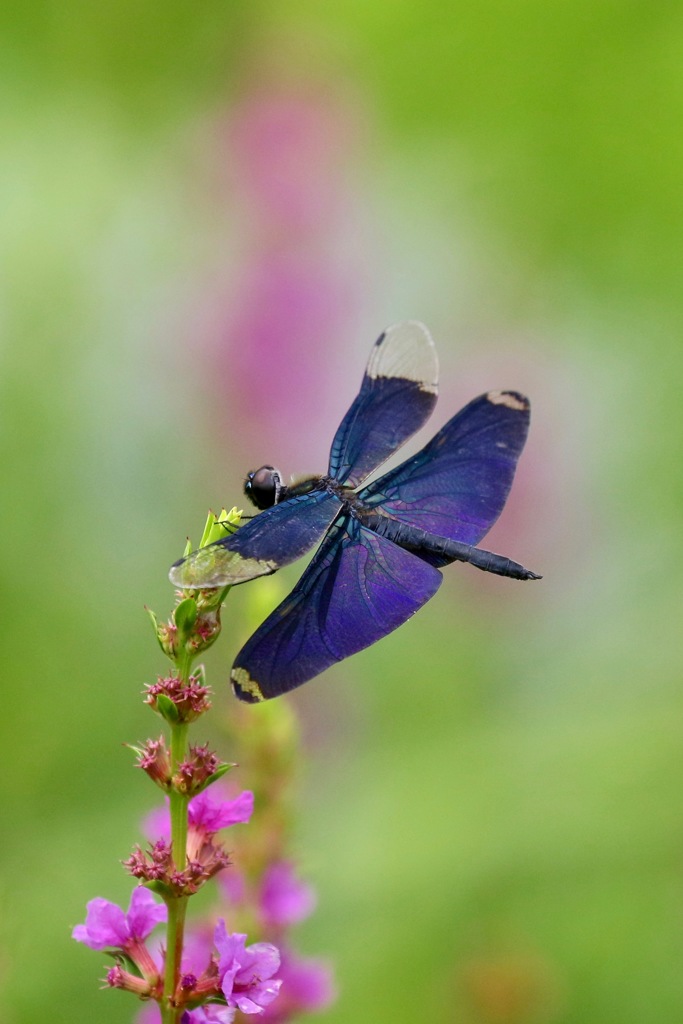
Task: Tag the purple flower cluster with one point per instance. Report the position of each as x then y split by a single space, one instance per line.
243 976
280 901
108 927
205 856
211 1014
246 972
307 987
208 974
284 899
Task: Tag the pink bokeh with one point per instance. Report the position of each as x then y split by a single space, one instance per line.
280 322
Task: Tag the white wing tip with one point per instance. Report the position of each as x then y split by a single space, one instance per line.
407 350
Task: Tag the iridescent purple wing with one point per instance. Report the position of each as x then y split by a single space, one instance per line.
397 395
276 537
457 485
358 588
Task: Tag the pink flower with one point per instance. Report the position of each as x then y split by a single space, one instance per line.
211 815
209 1015
307 986
246 972
285 900
149 1014
291 148
205 815
197 948
108 927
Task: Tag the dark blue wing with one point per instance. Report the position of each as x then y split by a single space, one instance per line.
274 538
457 485
396 397
358 588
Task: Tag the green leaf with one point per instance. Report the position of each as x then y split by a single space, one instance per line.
208 527
167 709
199 675
123 959
218 527
155 626
161 889
218 774
185 615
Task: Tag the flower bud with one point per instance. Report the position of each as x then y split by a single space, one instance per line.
118 978
177 702
154 759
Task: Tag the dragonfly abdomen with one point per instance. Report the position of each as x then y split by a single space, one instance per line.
412 538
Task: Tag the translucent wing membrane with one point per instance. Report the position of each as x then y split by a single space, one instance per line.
397 395
457 485
358 588
274 538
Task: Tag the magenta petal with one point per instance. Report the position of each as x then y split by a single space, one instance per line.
209 1015
220 935
260 960
105 926
247 1005
259 996
239 810
197 949
230 946
212 815
144 913
246 972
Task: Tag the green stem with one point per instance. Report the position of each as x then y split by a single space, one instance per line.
178 801
174 936
177 908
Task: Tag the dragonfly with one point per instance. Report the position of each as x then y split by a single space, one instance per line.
382 544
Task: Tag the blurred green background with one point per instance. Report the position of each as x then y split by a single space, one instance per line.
207 214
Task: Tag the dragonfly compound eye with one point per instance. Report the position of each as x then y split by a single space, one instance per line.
263 487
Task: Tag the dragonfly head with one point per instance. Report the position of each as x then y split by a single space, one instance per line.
264 487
